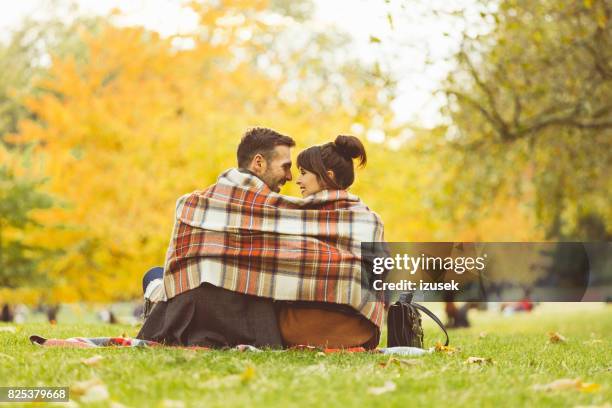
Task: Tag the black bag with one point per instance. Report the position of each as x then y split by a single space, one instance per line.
404 327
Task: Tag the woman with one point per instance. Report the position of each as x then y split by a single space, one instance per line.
327 167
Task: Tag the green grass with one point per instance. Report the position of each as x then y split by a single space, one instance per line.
518 346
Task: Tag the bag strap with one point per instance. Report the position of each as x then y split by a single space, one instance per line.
433 317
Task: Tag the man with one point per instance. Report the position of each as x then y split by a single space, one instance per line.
266 154
209 315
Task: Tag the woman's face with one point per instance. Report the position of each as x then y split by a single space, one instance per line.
308 182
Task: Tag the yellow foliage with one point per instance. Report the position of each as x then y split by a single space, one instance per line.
139 123
123 134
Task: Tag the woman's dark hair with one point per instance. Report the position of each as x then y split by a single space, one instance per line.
336 156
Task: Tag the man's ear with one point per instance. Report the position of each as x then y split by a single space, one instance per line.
331 175
258 164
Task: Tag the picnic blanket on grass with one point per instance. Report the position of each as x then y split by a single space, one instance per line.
241 236
99 342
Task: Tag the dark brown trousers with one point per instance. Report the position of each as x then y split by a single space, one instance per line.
213 317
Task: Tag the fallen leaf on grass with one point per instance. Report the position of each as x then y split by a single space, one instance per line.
91 361
8 329
479 360
248 374
567 384
400 362
387 387
444 349
554 337
589 387
93 390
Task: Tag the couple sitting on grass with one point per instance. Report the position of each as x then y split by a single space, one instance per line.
247 265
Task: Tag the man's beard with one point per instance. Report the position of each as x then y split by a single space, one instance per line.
273 183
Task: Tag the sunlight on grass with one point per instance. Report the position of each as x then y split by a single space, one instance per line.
518 347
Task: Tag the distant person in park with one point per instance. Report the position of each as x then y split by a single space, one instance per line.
7 313
52 311
526 304
457 317
107 316
243 258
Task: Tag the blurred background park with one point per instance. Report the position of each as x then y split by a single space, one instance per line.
483 121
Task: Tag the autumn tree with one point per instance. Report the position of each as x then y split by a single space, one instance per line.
530 103
23 59
22 186
126 127
20 197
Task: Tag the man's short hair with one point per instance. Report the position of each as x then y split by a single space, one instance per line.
260 140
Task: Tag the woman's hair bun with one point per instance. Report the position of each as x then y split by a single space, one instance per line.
351 148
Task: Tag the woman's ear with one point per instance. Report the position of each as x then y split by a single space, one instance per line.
331 175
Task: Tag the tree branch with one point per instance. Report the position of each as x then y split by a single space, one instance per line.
501 124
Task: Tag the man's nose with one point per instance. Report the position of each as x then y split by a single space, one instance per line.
288 175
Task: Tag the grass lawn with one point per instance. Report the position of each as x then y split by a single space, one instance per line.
518 345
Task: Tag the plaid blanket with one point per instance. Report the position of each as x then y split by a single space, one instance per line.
241 236
92 342
100 342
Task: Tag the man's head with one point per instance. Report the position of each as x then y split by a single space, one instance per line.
267 154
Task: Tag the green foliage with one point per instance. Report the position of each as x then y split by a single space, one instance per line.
20 197
24 60
530 103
